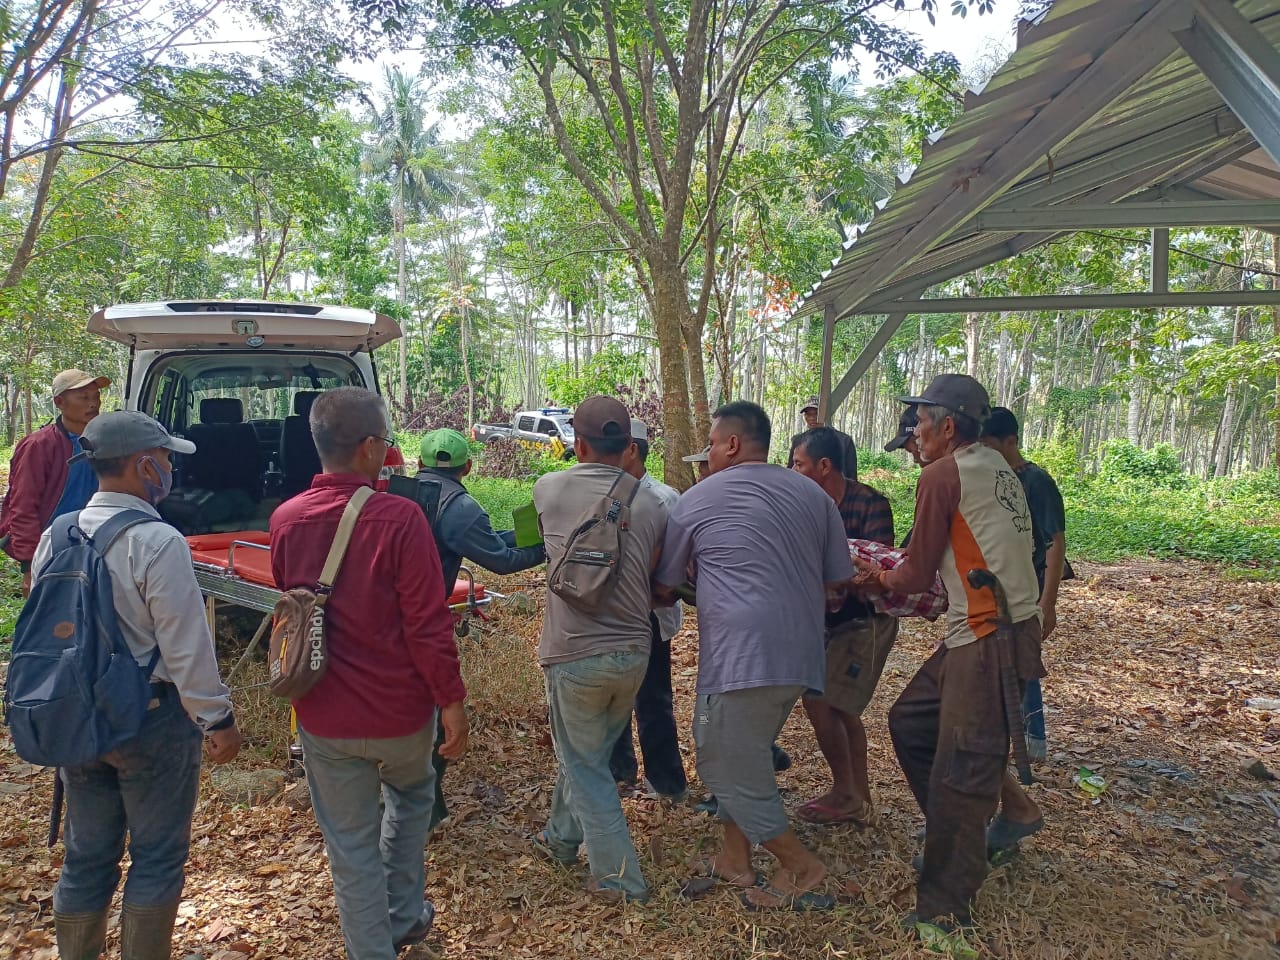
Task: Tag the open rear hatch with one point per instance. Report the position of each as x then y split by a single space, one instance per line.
182 324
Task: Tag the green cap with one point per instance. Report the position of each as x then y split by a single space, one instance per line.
444 448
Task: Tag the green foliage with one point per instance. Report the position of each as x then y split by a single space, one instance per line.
601 374
499 496
1158 467
1106 522
10 603
1060 456
1234 522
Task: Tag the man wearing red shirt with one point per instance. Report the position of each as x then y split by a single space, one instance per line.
367 727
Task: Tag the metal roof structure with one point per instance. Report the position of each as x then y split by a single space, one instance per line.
1109 114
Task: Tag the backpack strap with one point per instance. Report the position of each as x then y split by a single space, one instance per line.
341 540
115 525
612 515
445 501
65 532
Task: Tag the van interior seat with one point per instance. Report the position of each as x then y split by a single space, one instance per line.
227 455
299 460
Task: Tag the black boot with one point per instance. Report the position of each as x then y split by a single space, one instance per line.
80 935
146 933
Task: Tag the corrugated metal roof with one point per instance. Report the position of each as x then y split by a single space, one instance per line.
1104 89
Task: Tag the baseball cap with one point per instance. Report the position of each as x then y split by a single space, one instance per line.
957 392
639 429
75 379
810 404
118 434
444 448
702 456
601 418
906 428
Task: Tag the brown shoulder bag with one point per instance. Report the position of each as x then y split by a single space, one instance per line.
299 651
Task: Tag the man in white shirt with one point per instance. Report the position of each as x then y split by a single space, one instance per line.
664 775
147 786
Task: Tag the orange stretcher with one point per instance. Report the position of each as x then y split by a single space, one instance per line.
236 568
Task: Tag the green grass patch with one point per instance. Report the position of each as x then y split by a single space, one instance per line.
499 497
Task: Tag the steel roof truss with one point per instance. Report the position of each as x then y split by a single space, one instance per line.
1242 66
1127 215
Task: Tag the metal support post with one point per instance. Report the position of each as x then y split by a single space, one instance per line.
828 344
1160 261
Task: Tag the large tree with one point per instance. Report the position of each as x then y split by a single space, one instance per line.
648 103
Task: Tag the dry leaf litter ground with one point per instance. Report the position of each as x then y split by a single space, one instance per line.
1151 669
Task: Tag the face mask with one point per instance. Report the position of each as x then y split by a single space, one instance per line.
157 491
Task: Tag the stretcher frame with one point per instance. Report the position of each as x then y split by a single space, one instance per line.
220 584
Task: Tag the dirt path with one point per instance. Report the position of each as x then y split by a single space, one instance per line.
1151 669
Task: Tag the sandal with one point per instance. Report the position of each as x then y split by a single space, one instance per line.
704 882
1005 834
822 815
809 901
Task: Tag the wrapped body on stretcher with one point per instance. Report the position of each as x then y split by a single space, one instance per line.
236 568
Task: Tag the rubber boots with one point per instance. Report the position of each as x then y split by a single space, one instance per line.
146 933
80 935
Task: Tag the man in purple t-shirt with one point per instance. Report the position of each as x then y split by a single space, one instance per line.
770 552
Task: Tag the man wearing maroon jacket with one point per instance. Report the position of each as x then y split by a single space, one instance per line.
43 484
367 727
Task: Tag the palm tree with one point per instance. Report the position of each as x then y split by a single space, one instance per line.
406 152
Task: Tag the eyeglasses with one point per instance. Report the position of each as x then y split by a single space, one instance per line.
387 440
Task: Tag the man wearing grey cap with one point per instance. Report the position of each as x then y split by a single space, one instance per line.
42 485
949 726
147 786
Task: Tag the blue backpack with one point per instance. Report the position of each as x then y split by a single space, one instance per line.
74 691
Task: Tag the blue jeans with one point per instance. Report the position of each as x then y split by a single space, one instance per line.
376 855
1033 720
146 787
591 701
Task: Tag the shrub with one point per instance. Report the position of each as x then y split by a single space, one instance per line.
1060 456
1157 467
504 457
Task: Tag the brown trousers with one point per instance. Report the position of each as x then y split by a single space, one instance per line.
949 733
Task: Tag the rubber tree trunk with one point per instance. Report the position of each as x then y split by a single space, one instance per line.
397 225
1275 329
671 306
1134 420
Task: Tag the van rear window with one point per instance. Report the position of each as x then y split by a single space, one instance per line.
264 386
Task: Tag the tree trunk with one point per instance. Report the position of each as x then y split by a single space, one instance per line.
1004 349
671 305
1133 423
1275 330
1222 442
397 226
465 346
972 329
701 420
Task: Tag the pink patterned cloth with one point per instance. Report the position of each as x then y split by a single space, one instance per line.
930 605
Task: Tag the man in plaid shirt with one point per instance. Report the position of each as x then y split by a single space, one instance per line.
858 640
